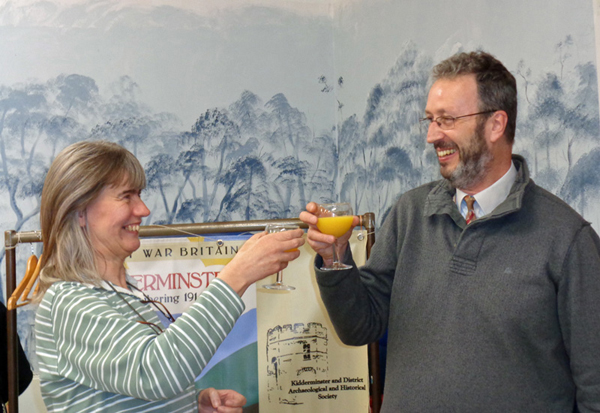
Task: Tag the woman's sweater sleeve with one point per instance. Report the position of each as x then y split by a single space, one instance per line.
98 347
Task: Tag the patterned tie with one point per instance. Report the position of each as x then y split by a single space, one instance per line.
470 211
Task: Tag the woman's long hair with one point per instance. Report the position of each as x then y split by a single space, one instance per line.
75 179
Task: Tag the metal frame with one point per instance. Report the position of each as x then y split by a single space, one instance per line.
13 238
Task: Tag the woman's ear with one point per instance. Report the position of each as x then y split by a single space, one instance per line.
82 219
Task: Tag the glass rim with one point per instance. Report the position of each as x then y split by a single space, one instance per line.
280 226
334 203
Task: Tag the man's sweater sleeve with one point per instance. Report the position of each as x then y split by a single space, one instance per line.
358 300
579 315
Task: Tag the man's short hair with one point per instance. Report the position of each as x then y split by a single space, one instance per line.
496 86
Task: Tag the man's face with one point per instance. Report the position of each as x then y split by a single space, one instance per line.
463 151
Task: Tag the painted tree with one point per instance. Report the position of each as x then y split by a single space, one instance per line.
123 102
20 176
353 162
32 115
246 192
396 166
160 174
249 114
583 179
77 92
218 136
290 133
582 118
547 116
288 170
129 132
189 164
390 121
322 170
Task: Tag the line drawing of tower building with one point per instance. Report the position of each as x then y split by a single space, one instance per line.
294 353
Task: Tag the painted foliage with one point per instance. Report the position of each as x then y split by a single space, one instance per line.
255 159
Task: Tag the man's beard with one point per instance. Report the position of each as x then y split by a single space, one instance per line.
474 162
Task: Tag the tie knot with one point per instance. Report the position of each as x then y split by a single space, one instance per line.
470 202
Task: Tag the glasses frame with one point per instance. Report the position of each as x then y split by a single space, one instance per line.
441 119
157 304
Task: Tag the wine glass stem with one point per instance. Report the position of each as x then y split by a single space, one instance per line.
280 277
335 254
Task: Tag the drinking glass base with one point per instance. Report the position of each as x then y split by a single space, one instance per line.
336 266
279 286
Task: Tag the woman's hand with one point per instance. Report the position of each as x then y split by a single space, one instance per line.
319 242
220 401
262 255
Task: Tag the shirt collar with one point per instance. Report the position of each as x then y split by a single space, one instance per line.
488 199
105 285
441 197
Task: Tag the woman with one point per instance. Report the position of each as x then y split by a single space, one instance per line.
100 344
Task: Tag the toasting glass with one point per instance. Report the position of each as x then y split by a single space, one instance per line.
278 284
335 219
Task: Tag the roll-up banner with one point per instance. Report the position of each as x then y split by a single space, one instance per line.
283 353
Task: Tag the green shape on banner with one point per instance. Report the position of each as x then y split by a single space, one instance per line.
238 372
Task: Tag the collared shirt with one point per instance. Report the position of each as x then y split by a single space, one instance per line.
488 199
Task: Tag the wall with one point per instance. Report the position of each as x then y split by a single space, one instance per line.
249 109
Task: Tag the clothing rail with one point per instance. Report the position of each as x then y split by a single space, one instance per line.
13 238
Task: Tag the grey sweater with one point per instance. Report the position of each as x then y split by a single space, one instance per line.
502 315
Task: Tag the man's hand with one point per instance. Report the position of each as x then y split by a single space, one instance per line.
320 242
220 401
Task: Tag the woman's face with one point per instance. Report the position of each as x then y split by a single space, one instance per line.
113 221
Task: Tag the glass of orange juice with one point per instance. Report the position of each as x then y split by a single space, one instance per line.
335 219
278 284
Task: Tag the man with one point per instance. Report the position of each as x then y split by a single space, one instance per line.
501 314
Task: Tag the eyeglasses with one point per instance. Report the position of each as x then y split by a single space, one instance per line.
157 304
447 122
160 307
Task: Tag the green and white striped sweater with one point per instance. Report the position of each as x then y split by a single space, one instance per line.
94 356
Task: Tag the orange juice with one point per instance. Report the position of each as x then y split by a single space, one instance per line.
336 226
273 228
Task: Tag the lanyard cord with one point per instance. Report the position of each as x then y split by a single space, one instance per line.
168 315
152 325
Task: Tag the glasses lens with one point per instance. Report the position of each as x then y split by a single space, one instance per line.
446 122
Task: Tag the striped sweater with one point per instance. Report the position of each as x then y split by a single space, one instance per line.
94 356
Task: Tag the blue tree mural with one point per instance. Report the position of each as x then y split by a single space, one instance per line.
253 160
